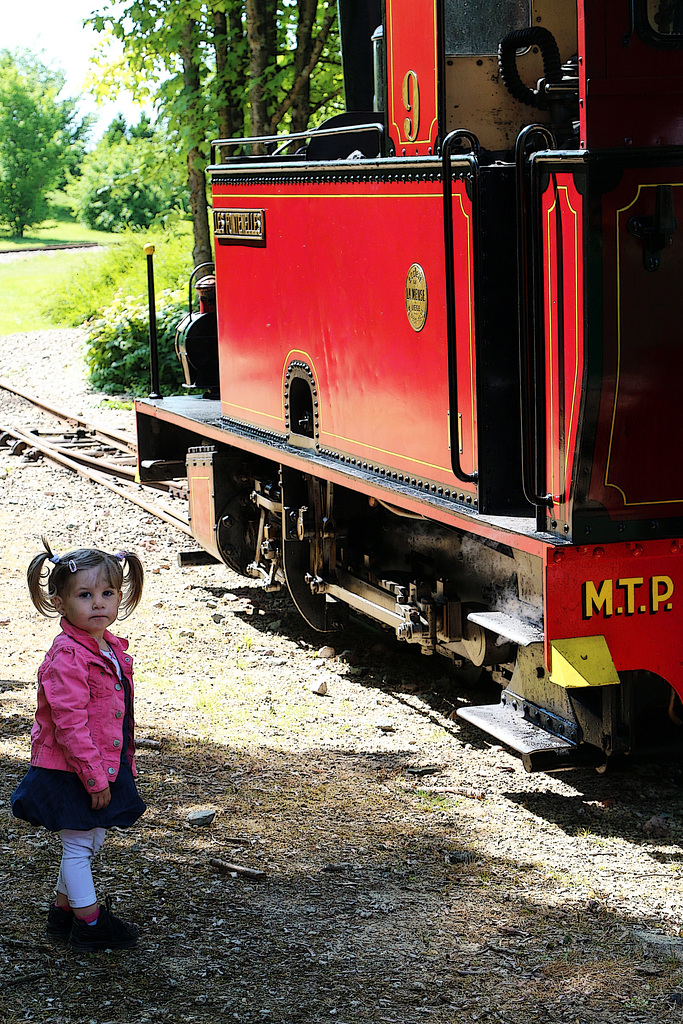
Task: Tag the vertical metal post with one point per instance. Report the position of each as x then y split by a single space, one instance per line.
153 349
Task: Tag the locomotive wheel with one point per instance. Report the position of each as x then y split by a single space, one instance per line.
299 549
466 674
238 531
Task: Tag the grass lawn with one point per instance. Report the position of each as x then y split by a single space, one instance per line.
61 228
75 285
54 233
24 281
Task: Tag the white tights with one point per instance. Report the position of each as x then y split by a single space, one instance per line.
75 877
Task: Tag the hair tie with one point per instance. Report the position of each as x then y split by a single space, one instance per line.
121 555
54 559
72 565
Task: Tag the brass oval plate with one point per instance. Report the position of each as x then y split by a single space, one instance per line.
416 297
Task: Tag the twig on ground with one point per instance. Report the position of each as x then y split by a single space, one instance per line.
473 794
149 743
24 978
236 869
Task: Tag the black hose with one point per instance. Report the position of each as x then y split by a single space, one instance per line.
507 62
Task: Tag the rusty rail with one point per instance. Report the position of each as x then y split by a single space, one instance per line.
117 477
118 437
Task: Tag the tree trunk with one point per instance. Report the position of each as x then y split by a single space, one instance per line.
230 117
304 76
258 62
196 183
301 107
196 178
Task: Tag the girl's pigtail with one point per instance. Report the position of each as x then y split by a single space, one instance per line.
132 582
37 577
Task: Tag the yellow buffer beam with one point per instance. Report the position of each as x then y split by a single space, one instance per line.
582 661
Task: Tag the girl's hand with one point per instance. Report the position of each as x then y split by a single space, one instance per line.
98 801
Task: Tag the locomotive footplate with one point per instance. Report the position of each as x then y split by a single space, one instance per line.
540 750
167 427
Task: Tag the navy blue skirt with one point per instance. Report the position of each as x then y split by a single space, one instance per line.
57 800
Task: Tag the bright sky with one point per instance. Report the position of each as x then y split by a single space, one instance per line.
53 29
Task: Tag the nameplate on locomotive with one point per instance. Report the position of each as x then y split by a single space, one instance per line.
240 227
416 297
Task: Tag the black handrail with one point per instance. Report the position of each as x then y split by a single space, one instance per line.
283 141
530 314
200 266
472 159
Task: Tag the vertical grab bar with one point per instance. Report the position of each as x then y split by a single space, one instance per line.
473 160
529 311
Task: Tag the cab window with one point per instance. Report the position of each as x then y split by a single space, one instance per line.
661 22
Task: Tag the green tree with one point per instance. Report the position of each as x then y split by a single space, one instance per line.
116 130
37 133
142 130
129 179
226 68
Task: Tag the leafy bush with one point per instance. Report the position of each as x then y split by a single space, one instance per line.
108 294
122 267
128 180
121 200
118 346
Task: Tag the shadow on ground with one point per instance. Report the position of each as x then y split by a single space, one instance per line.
374 906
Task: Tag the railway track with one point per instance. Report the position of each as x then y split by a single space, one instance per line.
108 457
37 250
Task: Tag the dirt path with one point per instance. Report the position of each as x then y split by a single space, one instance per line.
412 871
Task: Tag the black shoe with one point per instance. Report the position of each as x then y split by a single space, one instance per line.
109 932
58 924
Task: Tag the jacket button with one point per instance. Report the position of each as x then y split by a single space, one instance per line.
117 743
91 782
118 686
119 714
112 771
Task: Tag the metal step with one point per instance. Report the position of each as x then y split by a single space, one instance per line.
517 630
540 750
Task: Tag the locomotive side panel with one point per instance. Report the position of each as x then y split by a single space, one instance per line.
562 226
412 66
639 363
348 291
563 311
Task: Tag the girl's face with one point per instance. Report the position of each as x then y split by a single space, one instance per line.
89 601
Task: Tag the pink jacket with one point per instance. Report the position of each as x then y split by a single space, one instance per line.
81 704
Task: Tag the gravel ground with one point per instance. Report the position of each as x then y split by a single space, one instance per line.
409 869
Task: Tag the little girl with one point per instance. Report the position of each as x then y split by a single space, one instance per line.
81 779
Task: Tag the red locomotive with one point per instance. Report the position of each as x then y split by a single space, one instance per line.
449 363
